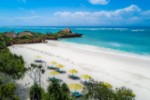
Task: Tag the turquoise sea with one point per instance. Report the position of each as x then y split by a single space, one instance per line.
127 39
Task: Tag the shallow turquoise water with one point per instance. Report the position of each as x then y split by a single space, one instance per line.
128 39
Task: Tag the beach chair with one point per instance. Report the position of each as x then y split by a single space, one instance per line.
39 61
51 67
86 83
54 79
74 77
60 71
76 94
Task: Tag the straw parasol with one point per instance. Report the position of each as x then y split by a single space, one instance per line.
54 73
75 86
59 66
73 71
53 62
38 56
86 76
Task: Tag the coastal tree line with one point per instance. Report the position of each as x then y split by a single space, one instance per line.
12 68
23 37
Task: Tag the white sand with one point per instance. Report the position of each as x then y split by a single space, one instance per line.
117 68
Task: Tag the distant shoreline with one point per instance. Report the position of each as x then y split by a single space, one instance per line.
125 39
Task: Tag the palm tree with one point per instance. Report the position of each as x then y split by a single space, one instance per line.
52 88
65 92
35 92
58 91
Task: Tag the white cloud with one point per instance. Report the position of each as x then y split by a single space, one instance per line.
62 14
131 9
27 18
131 15
99 2
100 17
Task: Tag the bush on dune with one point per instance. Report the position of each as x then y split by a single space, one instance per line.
104 91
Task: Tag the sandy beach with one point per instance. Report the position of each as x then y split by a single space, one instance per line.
117 68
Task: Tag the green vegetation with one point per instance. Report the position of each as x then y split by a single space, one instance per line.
36 92
62 33
58 91
7 90
100 91
10 38
104 91
96 91
67 33
124 93
11 68
11 64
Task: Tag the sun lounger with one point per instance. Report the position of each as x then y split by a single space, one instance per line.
60 71
74 77
86 83
39 61
55 79
51 67
76 94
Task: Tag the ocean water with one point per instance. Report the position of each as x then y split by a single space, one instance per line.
126 39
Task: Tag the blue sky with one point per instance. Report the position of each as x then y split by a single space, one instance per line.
74 12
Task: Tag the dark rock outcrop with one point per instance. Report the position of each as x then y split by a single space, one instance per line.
51 38
67 33
71 35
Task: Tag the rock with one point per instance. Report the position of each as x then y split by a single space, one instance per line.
71 35
67 33
67 30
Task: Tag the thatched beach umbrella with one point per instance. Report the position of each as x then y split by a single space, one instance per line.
54 73
86 76
75 86
38 56
53 62
38 59
73 71
59 66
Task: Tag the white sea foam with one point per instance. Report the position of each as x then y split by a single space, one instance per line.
138 30
115 44
120 29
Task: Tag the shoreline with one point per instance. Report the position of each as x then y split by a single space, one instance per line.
107 49
119 69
